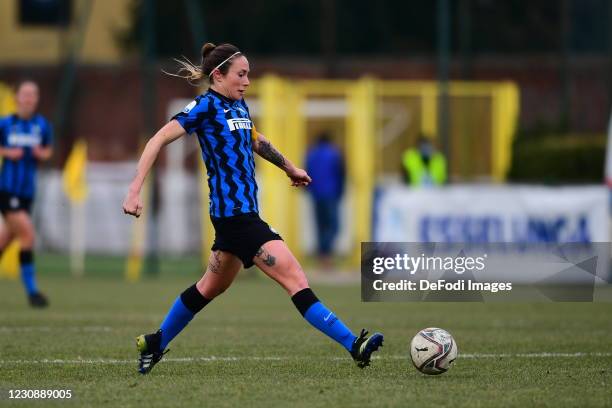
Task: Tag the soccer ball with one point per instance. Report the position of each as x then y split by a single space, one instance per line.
433 350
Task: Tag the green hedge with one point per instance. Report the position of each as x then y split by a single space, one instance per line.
558 159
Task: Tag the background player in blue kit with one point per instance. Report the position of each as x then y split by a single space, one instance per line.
25 139
220 119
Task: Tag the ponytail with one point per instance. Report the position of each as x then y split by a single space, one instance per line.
213 57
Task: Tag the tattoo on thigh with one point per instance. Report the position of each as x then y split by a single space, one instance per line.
267 257
215 265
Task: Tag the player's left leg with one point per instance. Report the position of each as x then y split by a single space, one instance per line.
276 260
21 226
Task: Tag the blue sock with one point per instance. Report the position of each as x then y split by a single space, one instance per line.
182 311
28 273
177 318
322 318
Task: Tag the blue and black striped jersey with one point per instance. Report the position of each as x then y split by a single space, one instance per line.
18 177
225 133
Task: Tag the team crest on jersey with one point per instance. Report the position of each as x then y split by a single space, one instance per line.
239 123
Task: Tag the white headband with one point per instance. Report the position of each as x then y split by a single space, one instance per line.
223 62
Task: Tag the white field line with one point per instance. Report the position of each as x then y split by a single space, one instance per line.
521 355
103 361
72 329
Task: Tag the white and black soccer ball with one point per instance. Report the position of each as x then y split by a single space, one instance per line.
433 350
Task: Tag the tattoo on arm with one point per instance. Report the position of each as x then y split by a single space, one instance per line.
268 152
266 257
215 265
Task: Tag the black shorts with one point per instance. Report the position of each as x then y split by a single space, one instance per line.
10 202
242 235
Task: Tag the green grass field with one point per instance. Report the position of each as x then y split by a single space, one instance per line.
251 347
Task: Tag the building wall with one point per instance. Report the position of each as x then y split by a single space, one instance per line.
47 45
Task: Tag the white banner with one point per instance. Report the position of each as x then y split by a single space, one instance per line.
107 229
464 214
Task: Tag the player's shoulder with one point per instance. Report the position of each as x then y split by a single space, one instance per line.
242 103
39 118
197 104
42 122
6 120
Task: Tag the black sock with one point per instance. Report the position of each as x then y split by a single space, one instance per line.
193 299
304 299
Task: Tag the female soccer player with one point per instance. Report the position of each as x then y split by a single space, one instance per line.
220 119
25 139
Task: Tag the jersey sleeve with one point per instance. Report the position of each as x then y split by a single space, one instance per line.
254 133
192 116
47 134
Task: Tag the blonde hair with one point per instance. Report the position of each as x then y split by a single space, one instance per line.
187 70
213 57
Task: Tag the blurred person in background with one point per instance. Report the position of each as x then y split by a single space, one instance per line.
324 163
25 140
220 118
423 165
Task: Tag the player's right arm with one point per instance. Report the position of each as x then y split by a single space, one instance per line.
170 132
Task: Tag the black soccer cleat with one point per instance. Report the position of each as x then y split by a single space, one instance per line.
148 346
364 346
38 300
